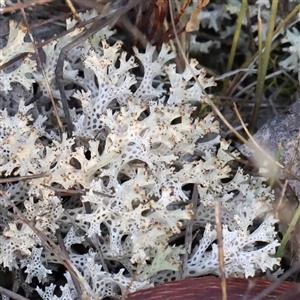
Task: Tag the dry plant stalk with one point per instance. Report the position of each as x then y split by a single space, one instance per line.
39 61
18 6
99 23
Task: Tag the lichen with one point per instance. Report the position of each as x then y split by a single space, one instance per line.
135 151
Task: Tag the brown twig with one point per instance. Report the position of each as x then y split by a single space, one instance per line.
175 20
99 23
159 10
64 250
64 192
273 286
218 208
219 229
256 147
41 44
23 5
11 294
51 246
13 60
96 243
40 64
296 150
217 111
141 15
22 178
73 10
138 35
189 232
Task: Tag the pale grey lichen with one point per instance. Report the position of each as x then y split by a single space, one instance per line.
132 154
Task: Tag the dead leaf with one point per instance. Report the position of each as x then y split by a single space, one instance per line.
194 22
